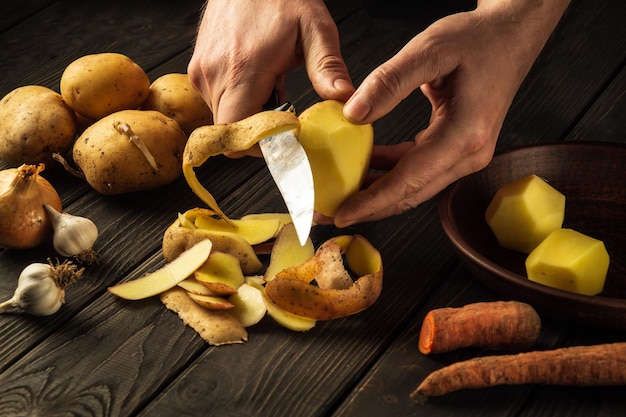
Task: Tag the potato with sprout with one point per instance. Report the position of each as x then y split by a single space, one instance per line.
131 150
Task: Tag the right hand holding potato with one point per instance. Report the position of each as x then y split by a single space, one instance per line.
242 53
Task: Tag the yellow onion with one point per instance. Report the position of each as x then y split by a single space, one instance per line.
24 222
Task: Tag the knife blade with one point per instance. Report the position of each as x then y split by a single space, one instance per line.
290 168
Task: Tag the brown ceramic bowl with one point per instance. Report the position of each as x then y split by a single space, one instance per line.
592 175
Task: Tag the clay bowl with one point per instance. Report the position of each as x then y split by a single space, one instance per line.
592 175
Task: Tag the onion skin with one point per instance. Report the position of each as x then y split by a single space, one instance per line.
24 222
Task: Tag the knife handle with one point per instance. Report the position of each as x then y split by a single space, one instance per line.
273 103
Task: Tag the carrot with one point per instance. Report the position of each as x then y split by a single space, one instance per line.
597 365
507 325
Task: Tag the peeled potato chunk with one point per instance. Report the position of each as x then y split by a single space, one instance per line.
339 152
525 212
570 261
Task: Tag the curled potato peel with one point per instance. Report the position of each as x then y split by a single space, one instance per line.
212 140
299 297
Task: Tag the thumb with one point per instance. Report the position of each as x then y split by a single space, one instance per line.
394 80
325 65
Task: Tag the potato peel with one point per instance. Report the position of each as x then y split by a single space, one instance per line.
212 140
296 295
214 326
307 300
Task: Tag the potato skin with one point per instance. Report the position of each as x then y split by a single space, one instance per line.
174 96
113 164
35 122
97 85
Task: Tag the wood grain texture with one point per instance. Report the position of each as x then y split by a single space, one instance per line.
102 356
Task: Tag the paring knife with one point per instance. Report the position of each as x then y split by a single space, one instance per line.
289 165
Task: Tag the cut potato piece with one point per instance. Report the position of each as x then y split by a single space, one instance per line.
221 273
211 302
168 276
214 326
525 212
287 251
249 307
339 152
287 319
570 261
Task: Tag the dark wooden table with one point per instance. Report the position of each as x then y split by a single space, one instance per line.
101 356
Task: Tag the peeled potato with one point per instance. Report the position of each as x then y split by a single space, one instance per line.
131 150
97 85
339 152
571 261
524 212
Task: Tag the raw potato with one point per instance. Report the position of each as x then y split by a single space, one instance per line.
35 122
214 326
338 150
174 96
97 85
525 212
570 261
112 163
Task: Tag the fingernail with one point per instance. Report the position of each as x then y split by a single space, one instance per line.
343 85
356 109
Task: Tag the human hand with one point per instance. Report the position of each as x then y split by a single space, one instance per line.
469 66
243 51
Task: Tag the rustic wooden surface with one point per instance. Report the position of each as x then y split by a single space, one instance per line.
100 356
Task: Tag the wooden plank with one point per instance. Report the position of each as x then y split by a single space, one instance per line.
145 353
38 50
582 56
605 119
12 12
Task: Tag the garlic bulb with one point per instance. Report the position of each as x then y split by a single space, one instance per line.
23 220
41 288
73 235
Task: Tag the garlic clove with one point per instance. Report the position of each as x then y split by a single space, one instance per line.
72 235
